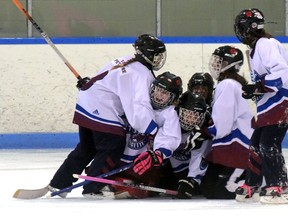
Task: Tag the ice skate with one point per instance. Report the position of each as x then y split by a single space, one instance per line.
246 193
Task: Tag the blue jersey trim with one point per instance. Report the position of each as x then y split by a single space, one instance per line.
275 99
234 134
152 128
83 111
212 130
274 83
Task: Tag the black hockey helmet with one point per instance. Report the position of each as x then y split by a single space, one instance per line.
202 79
248 23
225 58
152 49
191 110
165 84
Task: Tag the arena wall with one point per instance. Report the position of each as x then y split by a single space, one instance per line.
38 92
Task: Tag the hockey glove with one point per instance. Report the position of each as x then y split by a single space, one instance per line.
252 90
187 188
82 82
194 140
147 160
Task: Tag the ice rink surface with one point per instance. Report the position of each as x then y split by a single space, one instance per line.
33 169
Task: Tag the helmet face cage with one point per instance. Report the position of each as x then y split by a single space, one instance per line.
225 58
191 110
166 88
160 97
189 119
215 66
240 33
247 22
159 61
202 83
200 89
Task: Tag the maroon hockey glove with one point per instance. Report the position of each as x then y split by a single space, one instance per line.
147 160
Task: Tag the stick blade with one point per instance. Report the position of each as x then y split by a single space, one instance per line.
30 194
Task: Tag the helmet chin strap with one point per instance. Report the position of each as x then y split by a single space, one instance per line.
146 59
230 66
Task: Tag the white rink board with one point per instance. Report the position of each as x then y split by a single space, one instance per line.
38 92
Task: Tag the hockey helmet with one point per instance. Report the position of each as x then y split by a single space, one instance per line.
152 49
191 110
248 22
165 89
225 58
202 83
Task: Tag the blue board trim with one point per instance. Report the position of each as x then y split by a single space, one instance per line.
125 40
50 141
38 140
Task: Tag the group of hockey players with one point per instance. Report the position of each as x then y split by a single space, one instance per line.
205 141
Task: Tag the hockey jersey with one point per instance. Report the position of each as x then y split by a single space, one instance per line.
232 126
167 139
194 161
269 64
114 93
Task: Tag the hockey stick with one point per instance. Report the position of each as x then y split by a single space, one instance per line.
45 36
37 193
252 76
249 66
68 189
30 193
125 184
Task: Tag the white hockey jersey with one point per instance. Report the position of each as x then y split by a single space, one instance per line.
167 139
112 94
232 125
269 64
194 160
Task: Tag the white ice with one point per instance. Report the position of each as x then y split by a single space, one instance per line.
32 169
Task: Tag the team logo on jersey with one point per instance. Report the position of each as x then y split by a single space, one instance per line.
203 164
95 112
182 155
137 141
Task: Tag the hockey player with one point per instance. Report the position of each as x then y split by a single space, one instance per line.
120 88
148 155
269 64
203 84
188 161
188 164
231 129
230 112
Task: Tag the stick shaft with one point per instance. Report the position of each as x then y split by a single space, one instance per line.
249 67
125 184
115 171
46 37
